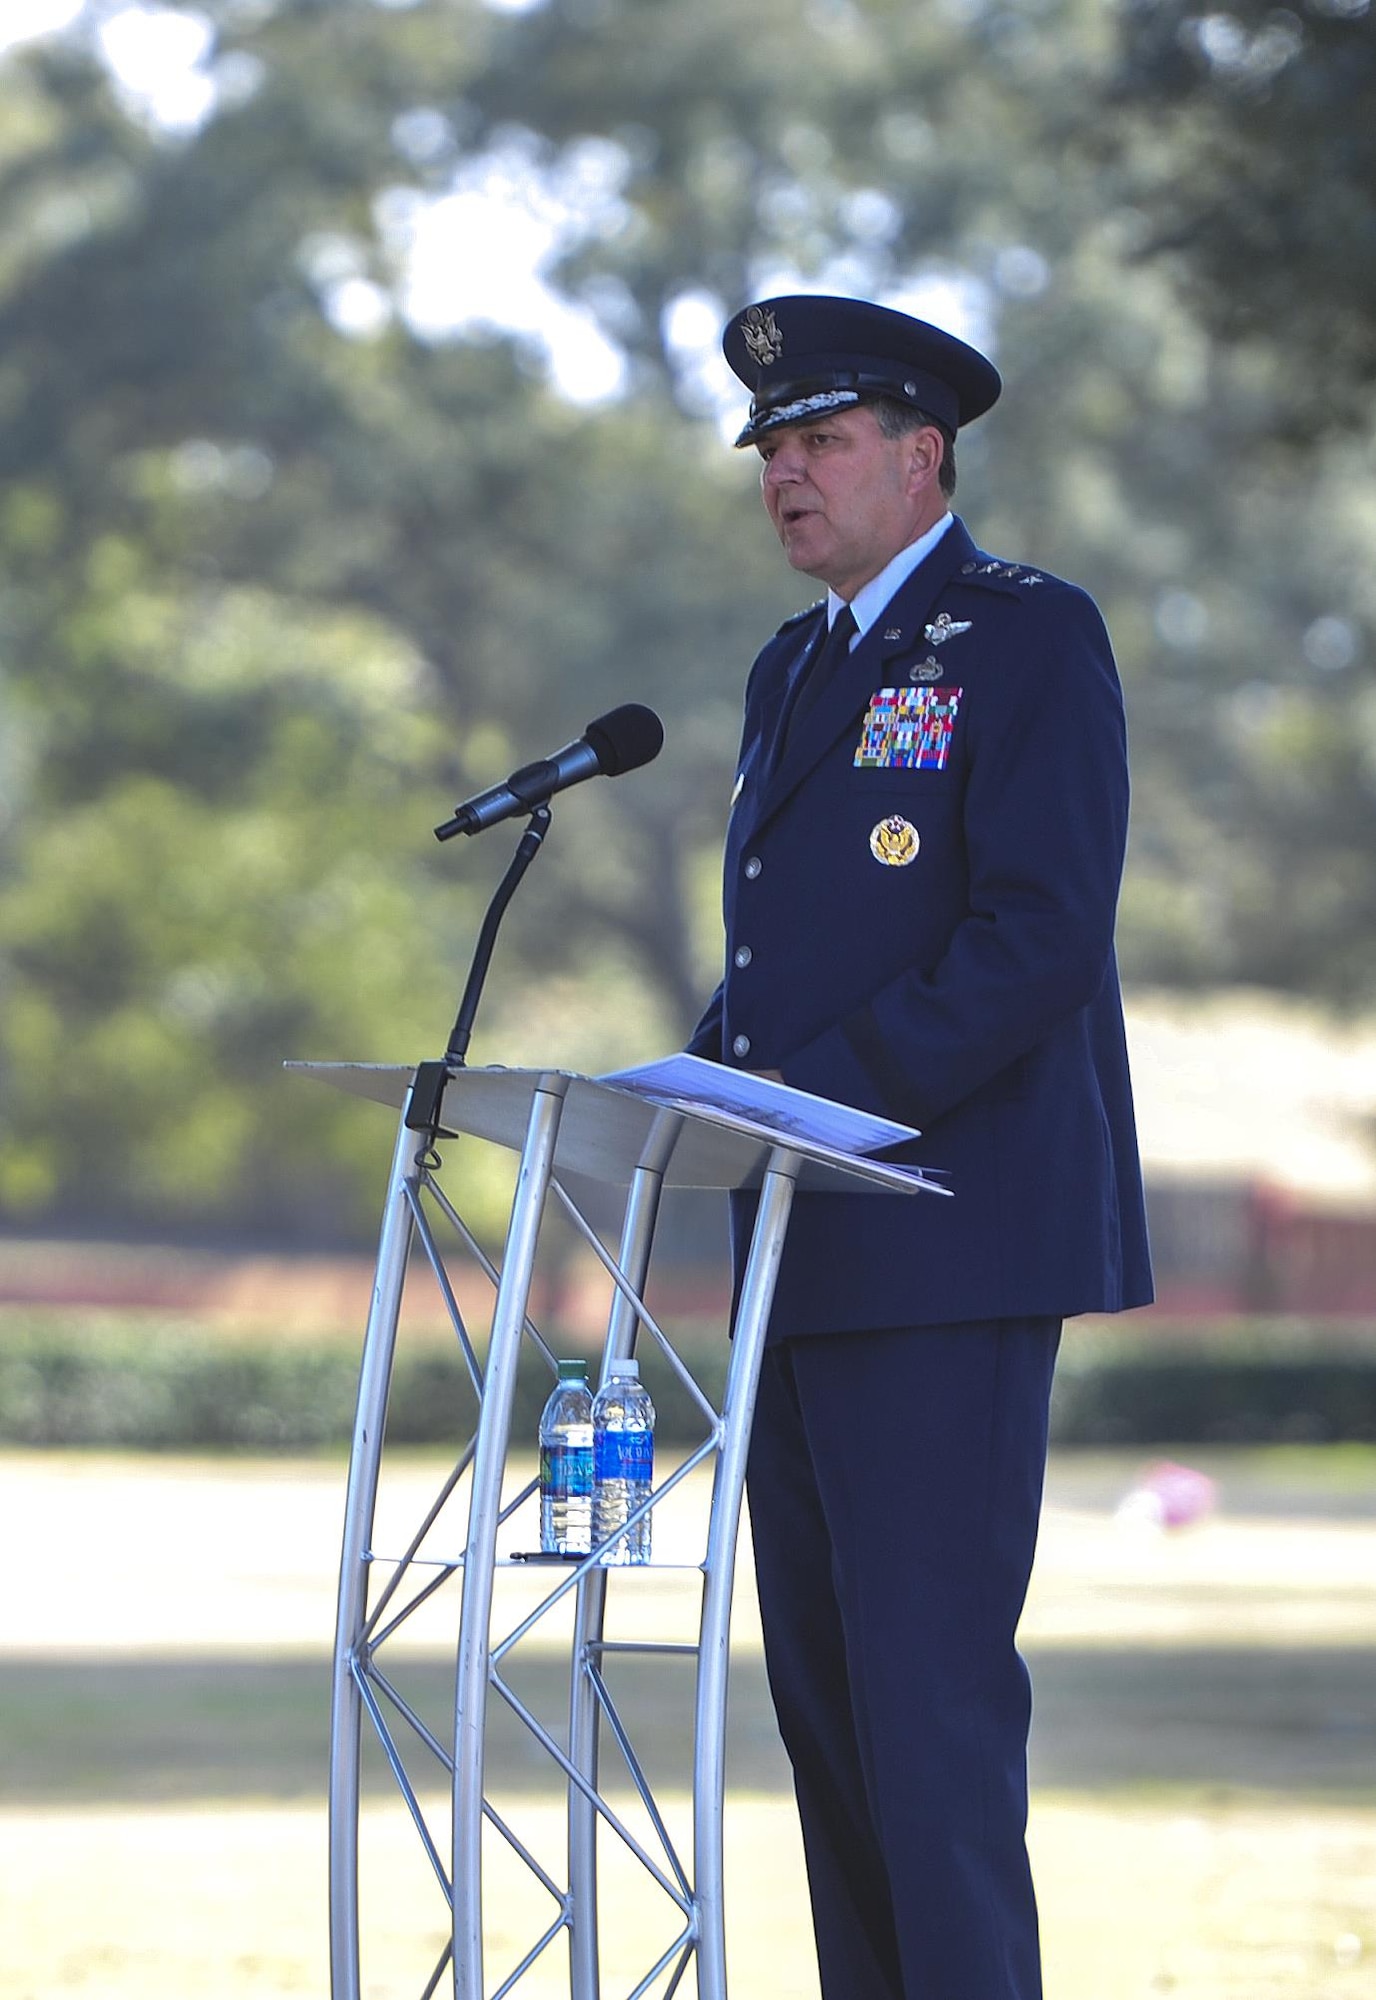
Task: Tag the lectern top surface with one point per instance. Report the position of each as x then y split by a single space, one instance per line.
608 1129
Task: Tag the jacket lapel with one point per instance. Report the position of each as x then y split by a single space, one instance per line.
895 631
779 701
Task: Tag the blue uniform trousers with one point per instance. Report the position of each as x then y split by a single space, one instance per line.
895 1484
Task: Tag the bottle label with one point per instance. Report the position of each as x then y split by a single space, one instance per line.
628 1455
566 1471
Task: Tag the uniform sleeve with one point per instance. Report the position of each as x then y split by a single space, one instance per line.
1045 827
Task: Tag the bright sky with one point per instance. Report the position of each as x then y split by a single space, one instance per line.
480 255
23 19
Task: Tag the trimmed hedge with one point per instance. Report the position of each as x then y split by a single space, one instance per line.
113 1383
1224 1382
116 1382
170 1388
1216 1402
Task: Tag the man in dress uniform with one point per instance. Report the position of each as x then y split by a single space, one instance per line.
922 866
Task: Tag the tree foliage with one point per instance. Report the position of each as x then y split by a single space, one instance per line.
284 570
1252 155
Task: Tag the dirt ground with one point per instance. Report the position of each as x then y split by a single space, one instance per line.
1204 1752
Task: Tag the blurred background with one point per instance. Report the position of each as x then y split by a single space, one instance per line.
363 432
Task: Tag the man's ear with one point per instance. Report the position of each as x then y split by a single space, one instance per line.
926 447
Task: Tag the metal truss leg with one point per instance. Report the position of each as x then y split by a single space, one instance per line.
364 1462
738 1409
508 1324
633 1256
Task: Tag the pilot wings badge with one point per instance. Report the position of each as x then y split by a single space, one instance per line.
945 627
760 332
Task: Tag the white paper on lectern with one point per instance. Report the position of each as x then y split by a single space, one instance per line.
695 1083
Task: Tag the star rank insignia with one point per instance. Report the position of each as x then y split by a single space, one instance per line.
1010 572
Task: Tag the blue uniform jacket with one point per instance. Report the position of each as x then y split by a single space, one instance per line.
966 984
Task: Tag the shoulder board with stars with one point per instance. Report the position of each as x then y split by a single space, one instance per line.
797 617
1010 578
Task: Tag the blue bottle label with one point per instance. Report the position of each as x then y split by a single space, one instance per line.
566 1471
628 1455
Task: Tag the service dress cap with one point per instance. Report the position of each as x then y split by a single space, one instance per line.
807 356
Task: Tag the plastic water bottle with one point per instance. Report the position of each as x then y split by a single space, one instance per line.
623 1419
566 1464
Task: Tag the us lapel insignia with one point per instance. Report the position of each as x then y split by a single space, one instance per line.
895 841
945 627
893 632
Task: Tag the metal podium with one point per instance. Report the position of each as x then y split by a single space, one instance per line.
436 1764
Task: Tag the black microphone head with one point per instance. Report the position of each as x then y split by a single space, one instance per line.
625 738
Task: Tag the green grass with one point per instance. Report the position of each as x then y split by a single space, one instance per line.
1204 1751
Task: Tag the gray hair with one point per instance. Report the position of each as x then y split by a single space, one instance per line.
896 419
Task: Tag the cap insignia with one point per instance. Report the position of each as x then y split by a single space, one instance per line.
760 331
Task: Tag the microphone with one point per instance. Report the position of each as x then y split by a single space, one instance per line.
621 740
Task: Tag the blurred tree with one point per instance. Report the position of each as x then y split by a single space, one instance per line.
1251 157
286 568
278 596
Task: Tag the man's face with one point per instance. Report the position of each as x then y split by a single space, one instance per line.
844 499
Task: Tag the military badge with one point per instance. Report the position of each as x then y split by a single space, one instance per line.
895 842
908 729
945 627
926 670
1010 572
760 332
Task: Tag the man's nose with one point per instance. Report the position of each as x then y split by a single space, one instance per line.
783 466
